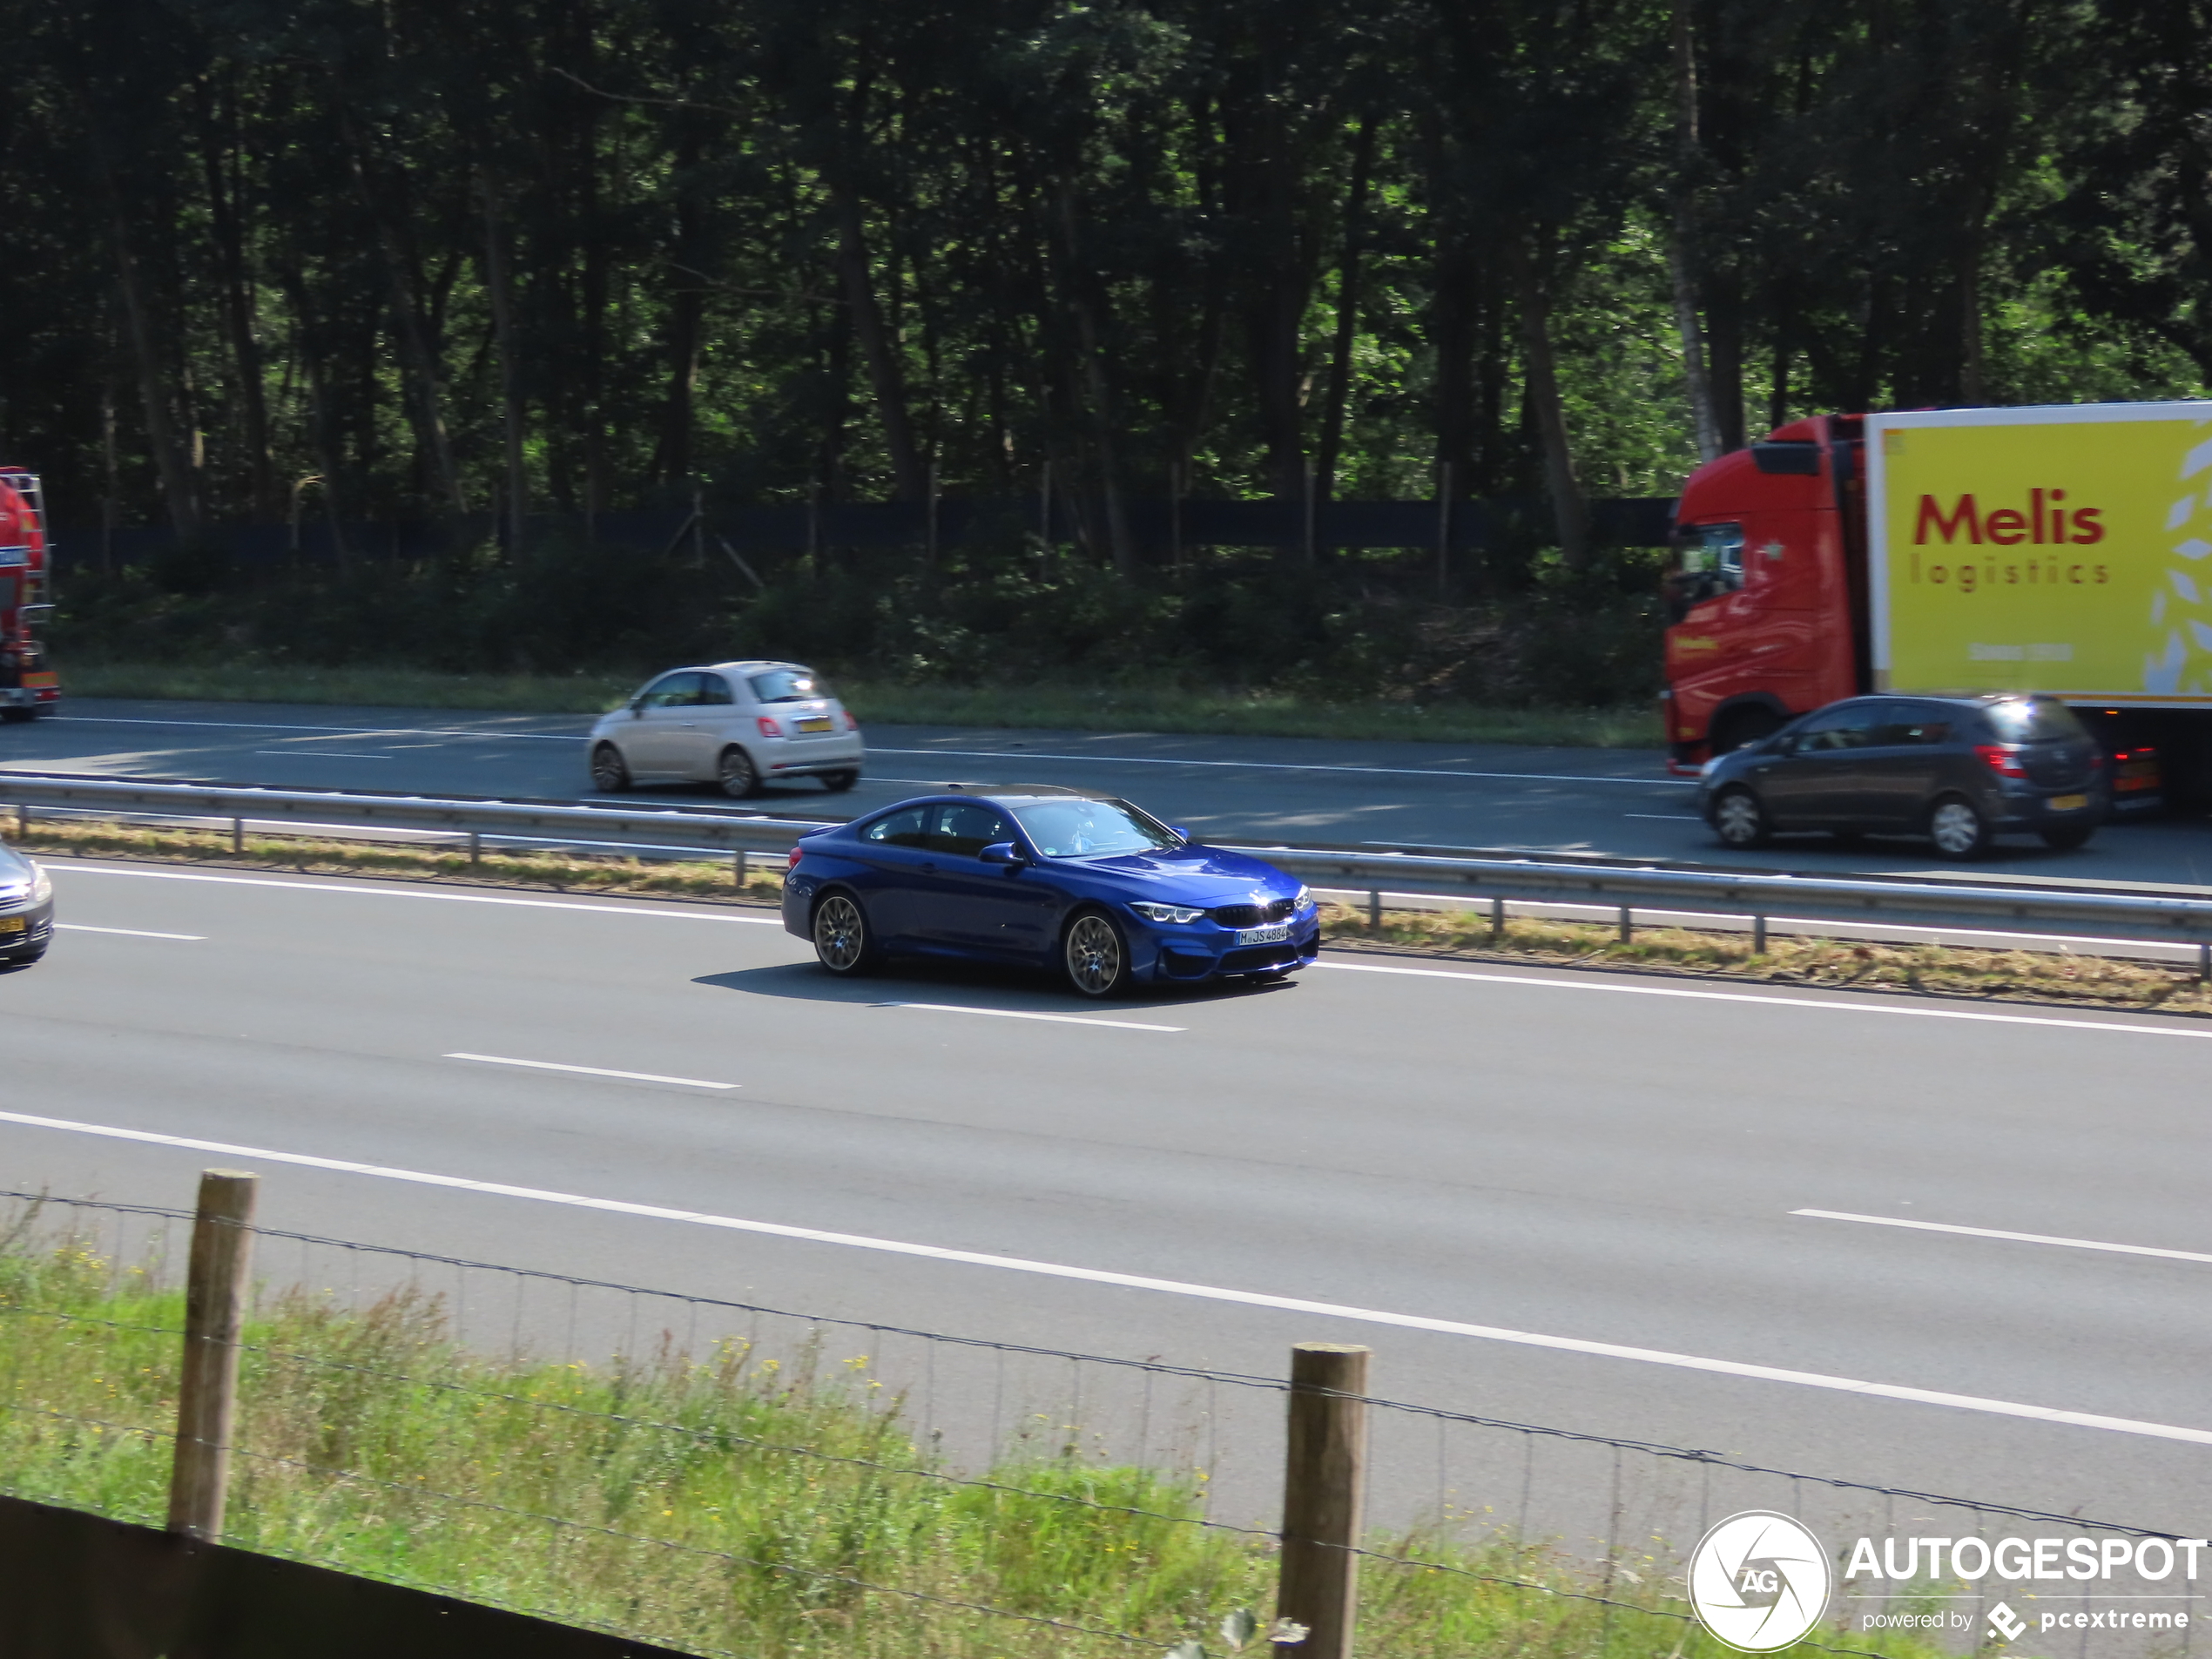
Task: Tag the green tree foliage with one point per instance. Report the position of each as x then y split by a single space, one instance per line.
420 257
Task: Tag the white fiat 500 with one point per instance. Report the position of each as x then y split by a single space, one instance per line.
739 724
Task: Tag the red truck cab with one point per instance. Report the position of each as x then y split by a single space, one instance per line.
1767 603
27 682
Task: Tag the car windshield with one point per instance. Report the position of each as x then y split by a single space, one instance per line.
788 686
2033 720
1081 829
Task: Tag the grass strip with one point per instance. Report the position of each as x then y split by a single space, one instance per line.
723 1502
1217 712
2058 976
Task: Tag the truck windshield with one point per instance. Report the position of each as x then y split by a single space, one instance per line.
2034 720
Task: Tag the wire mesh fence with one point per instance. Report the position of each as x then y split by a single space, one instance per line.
731 1477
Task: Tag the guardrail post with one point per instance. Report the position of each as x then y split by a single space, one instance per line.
1627 926
1758 936
1324 1483
238 837
222 1243
737 868
1497 921
475 848
22 821
1374 910
2204 962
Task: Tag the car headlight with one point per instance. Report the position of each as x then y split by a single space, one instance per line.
42 886
1165 911
1305 896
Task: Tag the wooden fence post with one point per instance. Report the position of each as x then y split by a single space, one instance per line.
222 1245
1324 1483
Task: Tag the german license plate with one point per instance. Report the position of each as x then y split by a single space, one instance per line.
815 723
2069 803
14 924
1274 936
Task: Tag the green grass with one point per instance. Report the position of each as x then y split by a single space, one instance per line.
1227 713
373 1442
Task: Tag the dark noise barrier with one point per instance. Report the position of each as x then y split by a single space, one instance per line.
77 1586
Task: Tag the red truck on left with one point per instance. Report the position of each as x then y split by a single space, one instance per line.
27 682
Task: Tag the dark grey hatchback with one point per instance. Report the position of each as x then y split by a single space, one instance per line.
1958 770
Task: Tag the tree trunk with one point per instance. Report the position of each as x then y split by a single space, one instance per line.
180 488
238 313
497 284
1363 155
1681 243
1569 513
427 407
1098 384
910 477
686 316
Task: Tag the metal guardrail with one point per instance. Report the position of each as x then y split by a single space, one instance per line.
1627 888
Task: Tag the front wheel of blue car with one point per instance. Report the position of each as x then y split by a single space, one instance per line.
1096 954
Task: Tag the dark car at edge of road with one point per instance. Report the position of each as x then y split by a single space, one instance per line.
26 911
1045 877
1958 770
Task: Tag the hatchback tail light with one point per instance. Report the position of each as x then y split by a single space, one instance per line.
768 727
2001 758
851 725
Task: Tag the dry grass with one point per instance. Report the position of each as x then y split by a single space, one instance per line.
2055 976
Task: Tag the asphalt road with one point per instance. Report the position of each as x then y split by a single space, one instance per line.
1504 1180
1338 793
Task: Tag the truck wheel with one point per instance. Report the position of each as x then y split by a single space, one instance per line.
17 717
2067 837
1739 820
1958 828
1743 726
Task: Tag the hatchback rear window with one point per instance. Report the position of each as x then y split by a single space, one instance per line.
788 686
2033 720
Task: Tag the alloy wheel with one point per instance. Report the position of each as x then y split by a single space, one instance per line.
840 934
736 774
609 775
1094 955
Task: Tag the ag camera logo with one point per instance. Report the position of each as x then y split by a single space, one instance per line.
1760 1581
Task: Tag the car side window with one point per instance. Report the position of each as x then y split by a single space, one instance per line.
1904 725
1850 727
714 689
899 829
671 691
966 828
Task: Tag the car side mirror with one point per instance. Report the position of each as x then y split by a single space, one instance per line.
1179 830
636 708
1000 852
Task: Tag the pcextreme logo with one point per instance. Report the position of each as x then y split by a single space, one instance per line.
1759 1581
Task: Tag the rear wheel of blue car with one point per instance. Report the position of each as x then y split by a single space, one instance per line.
1096 955
842 941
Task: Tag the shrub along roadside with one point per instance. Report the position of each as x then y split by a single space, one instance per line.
2057 976
725 1503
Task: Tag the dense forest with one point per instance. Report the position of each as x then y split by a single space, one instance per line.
384 259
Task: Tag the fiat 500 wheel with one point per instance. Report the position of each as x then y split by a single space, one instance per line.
736 773
842 939
1097 958
1738 820
609 775
1958 828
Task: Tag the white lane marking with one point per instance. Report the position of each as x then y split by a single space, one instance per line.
591 1071
1828 1004
1141 1282
410 893
321 754
1667 818
1286 765
352 731
1016 1014
1998 1232
127 933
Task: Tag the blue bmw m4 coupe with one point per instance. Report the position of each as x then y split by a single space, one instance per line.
1053 879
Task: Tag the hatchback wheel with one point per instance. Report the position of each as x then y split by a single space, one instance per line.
609 775
837 782
736 774
1738 819
1958 828
841 938
1097 957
